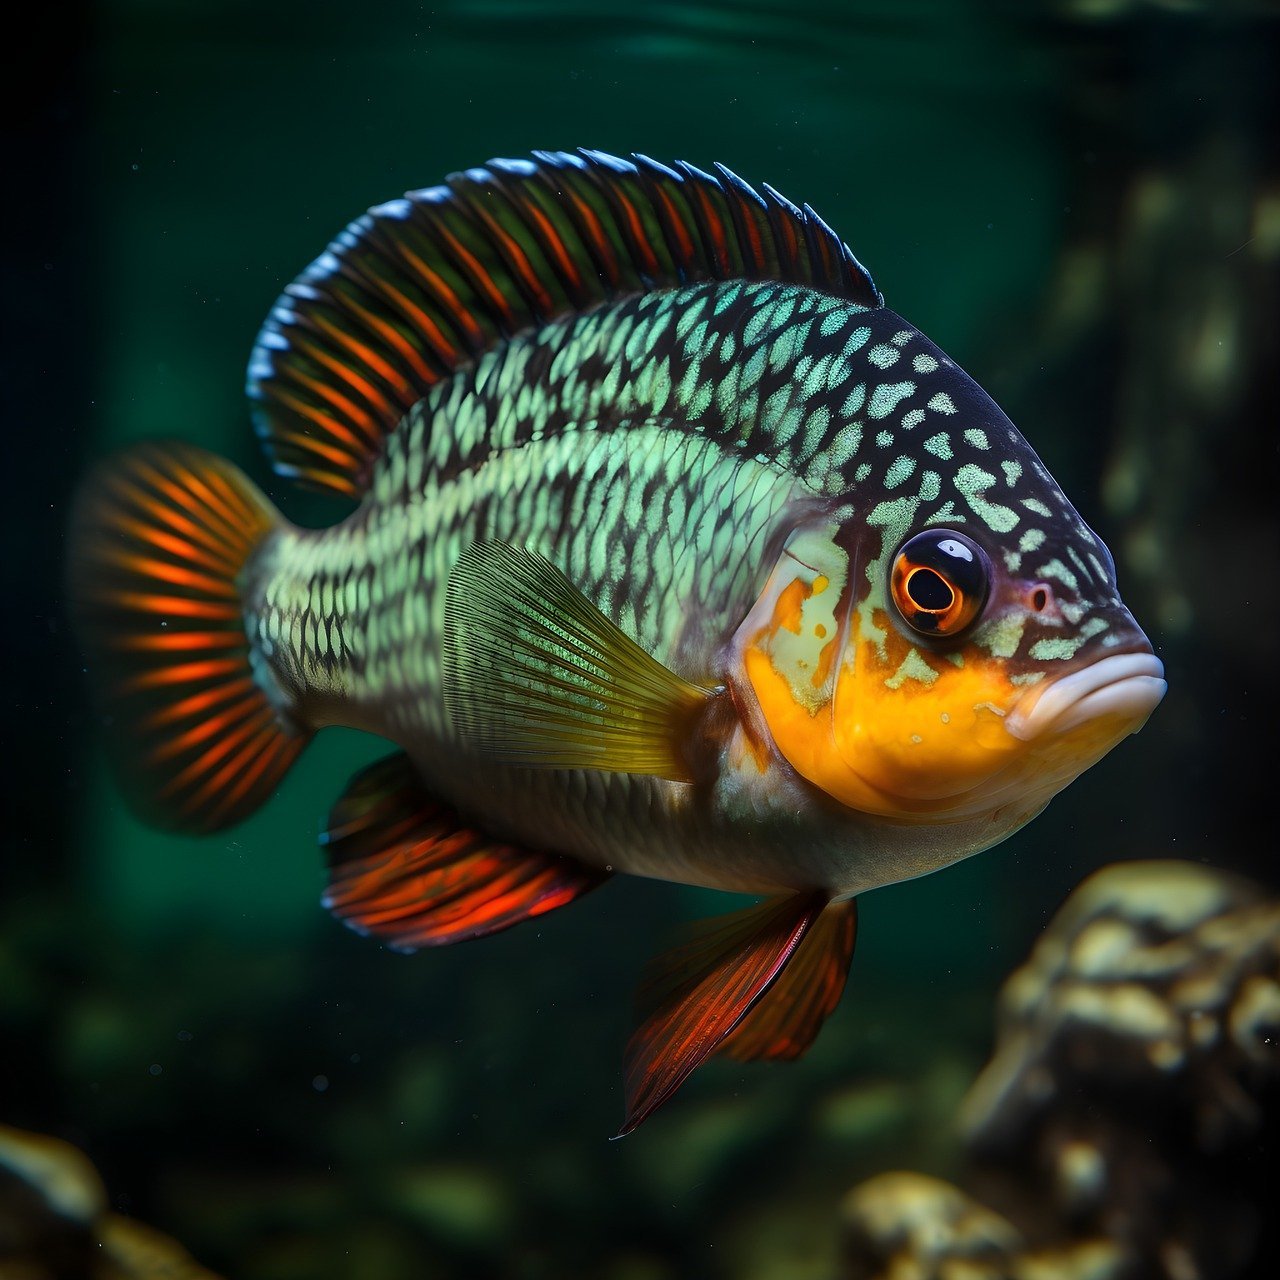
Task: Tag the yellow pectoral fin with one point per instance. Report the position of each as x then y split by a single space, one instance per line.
536 675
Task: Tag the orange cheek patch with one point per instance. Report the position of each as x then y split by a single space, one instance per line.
920 728
908 730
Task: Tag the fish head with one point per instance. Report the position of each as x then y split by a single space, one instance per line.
941 670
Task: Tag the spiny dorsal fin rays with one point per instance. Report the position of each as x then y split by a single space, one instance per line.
423 285
536 675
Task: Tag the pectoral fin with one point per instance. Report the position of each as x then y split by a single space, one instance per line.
536 675
693 998
406 868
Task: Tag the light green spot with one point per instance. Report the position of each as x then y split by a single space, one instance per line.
930 486
924 364
882 355
1001 636
754 329
942 403
857 340
1027 677
1055 649
1012 472
1034 504
1056 569
884 439
913 667
845 445
1061 647
854 401
902 337
973 482
863 471
831 323
940 446
912 418
899 471
977 437
1032 539
885 398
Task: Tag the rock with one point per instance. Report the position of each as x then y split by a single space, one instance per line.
907 1226
1116 1131
54 1223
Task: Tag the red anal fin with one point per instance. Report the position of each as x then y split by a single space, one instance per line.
787 1019
407 869
694 997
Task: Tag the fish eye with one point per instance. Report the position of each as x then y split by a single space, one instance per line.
939 582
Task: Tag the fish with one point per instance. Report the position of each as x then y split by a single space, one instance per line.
671 552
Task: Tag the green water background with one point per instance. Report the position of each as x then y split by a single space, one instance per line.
291 1100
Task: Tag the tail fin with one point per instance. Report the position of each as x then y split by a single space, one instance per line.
159 541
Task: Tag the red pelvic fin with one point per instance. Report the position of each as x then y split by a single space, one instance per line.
694 997
409 870
787 1019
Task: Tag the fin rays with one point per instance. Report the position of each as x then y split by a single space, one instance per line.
417 287
409 870
693 997
158 543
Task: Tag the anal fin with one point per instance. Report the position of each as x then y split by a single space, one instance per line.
694 997
406 868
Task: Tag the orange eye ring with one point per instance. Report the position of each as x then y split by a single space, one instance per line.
939 582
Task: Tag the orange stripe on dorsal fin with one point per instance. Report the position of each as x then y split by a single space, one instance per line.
160 542
694 997
407 869
420 286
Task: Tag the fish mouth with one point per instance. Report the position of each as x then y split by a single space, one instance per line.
1123 686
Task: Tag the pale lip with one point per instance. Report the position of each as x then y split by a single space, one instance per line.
1126 685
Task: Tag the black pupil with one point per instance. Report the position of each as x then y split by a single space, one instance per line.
943 581
929 591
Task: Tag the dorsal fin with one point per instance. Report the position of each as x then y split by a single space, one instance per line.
417 287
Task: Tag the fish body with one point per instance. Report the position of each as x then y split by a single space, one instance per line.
677 554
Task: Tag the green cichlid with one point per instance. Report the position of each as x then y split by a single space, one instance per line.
676 553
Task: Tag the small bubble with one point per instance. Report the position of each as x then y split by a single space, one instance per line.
185 1036
320 1083
355 1057
155 1068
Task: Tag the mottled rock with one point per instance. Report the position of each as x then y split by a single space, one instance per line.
1119 1125
54 1224
906 1226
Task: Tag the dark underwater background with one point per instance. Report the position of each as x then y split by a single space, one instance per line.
1079 202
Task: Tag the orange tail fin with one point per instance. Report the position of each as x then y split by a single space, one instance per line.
159 542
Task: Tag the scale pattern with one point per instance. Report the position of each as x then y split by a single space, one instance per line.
651 449
419 287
